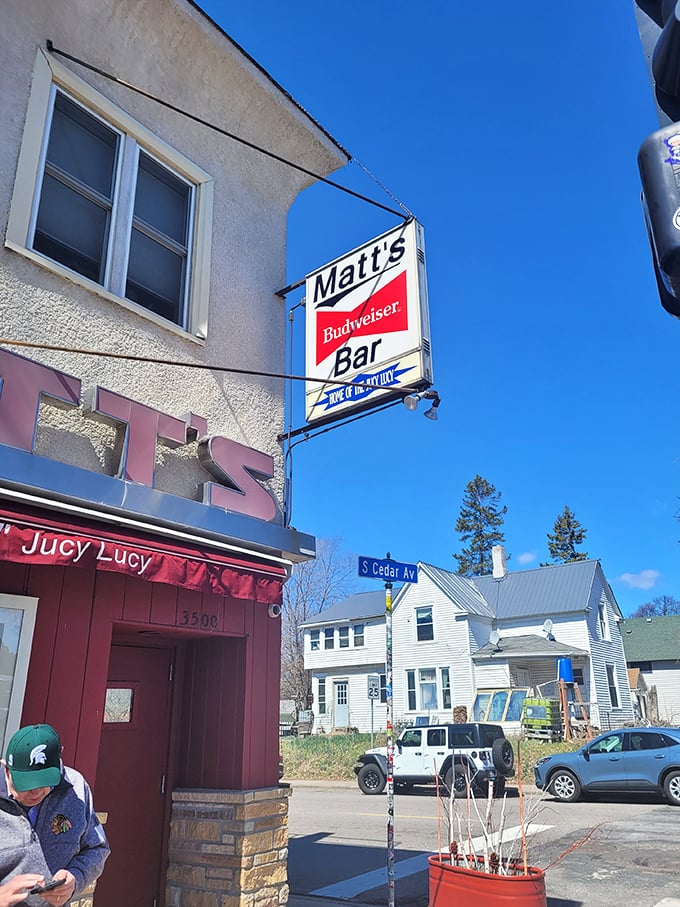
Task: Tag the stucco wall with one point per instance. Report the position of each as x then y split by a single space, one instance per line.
168 48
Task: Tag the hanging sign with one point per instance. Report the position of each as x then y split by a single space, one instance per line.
368 332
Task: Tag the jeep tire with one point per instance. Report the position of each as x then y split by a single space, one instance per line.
370 779
503 756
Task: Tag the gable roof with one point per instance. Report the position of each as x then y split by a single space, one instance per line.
461 590
362 606
542 592
528 645
652 638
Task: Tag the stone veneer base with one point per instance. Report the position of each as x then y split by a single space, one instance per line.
228 848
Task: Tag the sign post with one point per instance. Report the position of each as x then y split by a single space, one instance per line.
388 570
373 694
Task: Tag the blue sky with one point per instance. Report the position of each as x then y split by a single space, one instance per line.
511 131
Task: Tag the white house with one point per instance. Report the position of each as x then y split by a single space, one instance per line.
652 646
480 643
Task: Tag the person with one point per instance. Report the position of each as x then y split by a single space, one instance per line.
52 804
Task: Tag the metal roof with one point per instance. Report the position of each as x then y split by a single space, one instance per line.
652 638
461 590
528 646
543 592
362 606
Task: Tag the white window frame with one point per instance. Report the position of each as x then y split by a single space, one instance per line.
343 637
603 621
613 684
358 634
419 610
314 640
29 607
49 74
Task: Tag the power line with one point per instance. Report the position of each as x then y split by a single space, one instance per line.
203 366
230 135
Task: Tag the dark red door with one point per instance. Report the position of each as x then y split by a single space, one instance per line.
131 784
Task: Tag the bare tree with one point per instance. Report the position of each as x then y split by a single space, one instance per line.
314 585
661 606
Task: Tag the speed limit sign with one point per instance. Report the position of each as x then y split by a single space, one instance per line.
373 686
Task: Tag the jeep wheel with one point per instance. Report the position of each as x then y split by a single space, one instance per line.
370 779
503 756
459 782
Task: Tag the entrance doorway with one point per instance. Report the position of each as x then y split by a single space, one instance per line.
340 704
131 774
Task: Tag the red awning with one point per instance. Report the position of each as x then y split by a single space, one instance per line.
38 539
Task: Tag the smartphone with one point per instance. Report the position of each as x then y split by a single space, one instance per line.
38 889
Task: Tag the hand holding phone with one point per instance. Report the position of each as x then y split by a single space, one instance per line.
48 886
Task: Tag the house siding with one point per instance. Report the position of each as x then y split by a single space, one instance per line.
665 677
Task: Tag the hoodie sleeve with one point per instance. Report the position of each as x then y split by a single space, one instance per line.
88 864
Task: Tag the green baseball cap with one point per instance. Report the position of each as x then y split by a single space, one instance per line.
34 757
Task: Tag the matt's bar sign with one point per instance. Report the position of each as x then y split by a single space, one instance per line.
368 325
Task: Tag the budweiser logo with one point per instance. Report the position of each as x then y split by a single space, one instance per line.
383 312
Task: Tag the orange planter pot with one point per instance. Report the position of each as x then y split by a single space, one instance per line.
452 885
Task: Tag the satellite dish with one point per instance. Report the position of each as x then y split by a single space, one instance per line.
547 626
494 637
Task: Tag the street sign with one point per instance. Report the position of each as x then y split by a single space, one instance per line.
373 686
387 570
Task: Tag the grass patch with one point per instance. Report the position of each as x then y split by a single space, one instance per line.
331 757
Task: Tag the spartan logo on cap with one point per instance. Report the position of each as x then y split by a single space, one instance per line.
37 756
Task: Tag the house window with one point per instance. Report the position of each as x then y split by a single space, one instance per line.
602 621
343 637
424 625
112 205
578 676
445 681
499 705
613 689
321 695
411 690
314 640
358 635
328 638
427 682
383 687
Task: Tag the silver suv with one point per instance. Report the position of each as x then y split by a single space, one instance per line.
463 756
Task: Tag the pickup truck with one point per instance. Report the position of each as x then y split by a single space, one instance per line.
463 756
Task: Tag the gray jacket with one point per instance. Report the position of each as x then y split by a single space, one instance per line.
20 849
67 828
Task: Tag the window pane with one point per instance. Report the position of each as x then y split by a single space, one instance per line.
498 705
314 640
82 146
358 635
343 637
71 229
425 630
411 689
11 621
480 706
328 639
162 200
446 688
155 276
514 712
118 706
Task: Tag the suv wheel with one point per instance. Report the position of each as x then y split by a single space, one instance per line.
671 788
457 780
370 779
503 755
565 786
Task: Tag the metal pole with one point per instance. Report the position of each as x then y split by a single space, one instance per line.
390 744
372 701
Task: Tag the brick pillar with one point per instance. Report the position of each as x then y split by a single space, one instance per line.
228 848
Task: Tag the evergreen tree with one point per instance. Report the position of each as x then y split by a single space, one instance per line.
479 523
566 535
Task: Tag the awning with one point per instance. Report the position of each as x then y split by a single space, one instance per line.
36 539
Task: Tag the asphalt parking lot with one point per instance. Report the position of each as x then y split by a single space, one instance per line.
597 852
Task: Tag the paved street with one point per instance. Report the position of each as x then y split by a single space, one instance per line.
628 854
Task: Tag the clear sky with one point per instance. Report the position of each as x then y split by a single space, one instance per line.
511 131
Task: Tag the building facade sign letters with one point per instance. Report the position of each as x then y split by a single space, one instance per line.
140 428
